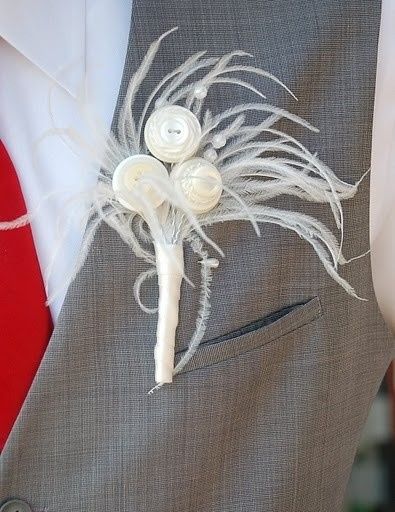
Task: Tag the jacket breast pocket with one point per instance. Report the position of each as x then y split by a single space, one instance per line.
265 330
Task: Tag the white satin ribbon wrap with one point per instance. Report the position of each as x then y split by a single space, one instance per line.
170 268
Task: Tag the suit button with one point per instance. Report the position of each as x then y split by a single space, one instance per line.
15 506
172 133
129 186
199 182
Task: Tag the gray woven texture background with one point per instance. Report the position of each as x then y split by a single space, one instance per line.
266 421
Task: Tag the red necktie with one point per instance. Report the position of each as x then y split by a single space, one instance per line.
25 321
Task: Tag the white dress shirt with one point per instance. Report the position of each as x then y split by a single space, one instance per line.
40 59
382 180
55 51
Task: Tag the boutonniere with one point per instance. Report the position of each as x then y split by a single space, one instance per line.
179 168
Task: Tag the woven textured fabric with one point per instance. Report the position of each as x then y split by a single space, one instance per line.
262 419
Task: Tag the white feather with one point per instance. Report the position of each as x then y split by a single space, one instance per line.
257 163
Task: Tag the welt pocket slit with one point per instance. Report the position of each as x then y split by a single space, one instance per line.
254 334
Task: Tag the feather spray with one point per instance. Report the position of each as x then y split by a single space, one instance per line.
166 176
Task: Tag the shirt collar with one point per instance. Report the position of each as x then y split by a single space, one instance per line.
52 35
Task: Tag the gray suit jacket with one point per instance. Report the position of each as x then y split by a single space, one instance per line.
265 417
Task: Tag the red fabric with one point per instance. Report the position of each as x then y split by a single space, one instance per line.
25 321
